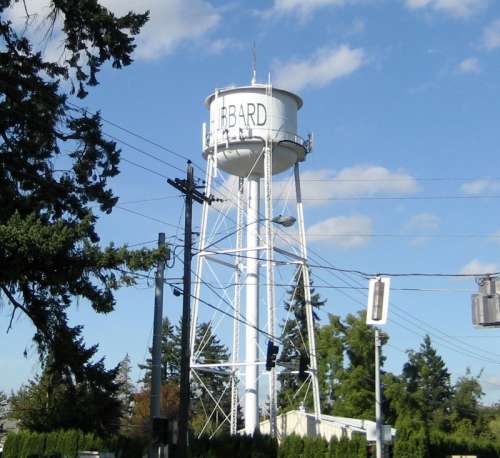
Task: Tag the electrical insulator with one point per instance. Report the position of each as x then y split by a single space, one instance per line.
272 353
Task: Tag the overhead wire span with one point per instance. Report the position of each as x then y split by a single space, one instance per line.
445 197
446 338
208 304
368 275
151 218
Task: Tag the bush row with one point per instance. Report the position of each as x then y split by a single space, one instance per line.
438 445
311 447
293 446
66 444
258 446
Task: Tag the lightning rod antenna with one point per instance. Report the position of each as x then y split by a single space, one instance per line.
254 64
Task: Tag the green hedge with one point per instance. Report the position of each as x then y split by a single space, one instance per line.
258 446
292 446
438 445
66 444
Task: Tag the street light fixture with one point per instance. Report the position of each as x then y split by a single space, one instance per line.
285 221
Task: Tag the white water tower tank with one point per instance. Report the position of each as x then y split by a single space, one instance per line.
242 118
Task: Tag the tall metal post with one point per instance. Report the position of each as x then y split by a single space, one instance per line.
186 317
313 364
268 198
378 398
237 306
252 306
157 335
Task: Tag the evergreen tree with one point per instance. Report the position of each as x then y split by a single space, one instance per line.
427 381
214 384
354 394
294 334
126 391
330 353
170 355
63 399
49 246
467 417
213 381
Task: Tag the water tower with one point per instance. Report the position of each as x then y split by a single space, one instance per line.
252 136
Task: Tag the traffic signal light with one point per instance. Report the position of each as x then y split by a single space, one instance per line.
272 353
486 304
378 300
160 430
303 366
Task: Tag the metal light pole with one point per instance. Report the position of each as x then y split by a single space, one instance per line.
378 398
378 305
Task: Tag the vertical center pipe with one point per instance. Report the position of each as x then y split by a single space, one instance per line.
252 306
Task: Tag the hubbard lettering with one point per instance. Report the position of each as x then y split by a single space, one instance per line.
243 115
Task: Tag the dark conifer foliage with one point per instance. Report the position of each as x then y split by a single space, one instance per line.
294 335
55 167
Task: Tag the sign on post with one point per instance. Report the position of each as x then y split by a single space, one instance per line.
378 300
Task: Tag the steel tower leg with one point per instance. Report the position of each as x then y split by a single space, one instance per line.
237 304
269 241
200 259
313 364
252 306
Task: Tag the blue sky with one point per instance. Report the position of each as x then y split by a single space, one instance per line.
402 97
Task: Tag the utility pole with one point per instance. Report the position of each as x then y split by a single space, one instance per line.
376 314
188 188
378 398
157 336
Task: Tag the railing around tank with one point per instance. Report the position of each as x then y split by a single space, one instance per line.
227 136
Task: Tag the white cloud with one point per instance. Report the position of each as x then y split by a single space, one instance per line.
321 186
423 221
456 8
493 382
495 237
171 23
220 45
477 187
419 224
342 231
320 69
469 65
491 35
480 268
301 8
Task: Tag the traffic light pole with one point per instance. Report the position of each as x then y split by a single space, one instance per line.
378 398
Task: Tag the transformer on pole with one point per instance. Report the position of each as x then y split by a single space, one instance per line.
252 136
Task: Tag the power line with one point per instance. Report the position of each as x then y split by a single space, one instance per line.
144 168
134 134
151 218
141 151
371 275
154 199
404 317
208 304
389 180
